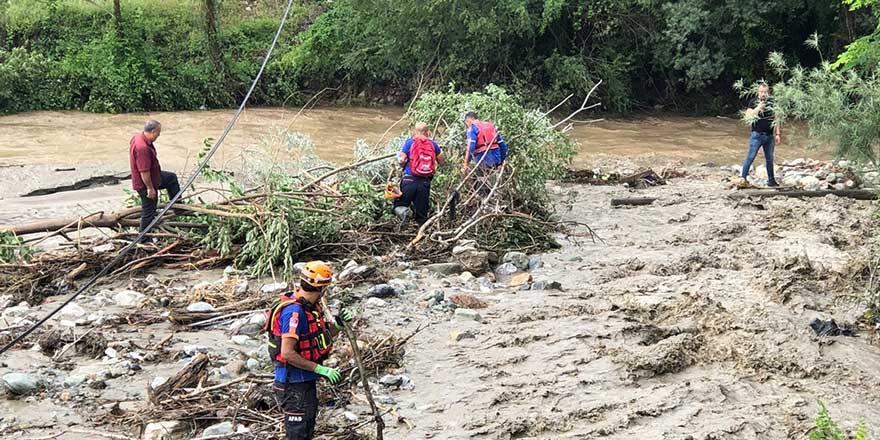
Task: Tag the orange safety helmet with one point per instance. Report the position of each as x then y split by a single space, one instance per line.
316 274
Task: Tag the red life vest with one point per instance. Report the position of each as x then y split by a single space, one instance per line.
422 157
314 346
487 138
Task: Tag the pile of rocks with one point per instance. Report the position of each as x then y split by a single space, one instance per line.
813 175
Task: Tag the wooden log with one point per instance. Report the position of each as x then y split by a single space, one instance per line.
858 194
187 377
636 201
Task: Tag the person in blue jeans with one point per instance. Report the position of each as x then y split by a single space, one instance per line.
765 134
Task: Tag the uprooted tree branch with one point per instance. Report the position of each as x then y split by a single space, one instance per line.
290 213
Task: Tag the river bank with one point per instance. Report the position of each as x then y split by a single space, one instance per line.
690 320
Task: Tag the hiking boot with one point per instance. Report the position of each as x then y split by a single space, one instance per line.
403 213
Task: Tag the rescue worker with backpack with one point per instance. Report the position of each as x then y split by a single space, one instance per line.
485 145
419 158
299 340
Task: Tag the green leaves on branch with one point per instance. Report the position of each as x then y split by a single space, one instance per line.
13 249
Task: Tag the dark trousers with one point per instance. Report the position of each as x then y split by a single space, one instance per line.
148 206
416 192
757 142
299 403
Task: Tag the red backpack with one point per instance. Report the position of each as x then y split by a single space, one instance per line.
422 157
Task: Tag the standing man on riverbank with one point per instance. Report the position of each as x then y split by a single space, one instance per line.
419 158
765 134
147 176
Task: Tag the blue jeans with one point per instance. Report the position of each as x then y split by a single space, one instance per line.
756 142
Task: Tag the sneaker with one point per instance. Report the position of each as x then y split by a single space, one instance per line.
772 184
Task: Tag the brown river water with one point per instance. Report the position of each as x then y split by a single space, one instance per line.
34 145
71 138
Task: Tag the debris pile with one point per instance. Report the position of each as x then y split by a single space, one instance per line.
815 175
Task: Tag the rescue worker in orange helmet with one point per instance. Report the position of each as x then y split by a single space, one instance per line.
299 340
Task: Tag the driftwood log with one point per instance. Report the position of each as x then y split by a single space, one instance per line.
189 376
858 194
636 201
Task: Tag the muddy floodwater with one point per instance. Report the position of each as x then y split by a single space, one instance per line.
51 149
71 138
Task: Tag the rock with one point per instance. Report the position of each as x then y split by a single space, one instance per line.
796 162
518 259
535 263
252 364
375 302
157 382
201 285
456 336
521 280
831 178
839 187
506 269
241 288
843 164
791 179
383 291
821 174
248 329
20 383
391 380
73 311
539 285
111 353
467 315
350 416
240 339
236 367
19 311
222 428
200 307
809 183
192 350
464 246
467 301
103 248
466 277
849 184
445 268
128 298
273 287
257 318
166 430
74 380
473 260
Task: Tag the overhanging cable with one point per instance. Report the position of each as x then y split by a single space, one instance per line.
171 202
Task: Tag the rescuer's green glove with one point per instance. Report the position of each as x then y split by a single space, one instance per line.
343 317
330 373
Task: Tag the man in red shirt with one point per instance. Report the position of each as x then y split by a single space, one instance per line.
146 175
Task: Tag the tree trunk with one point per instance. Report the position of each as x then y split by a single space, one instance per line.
858 194
117 18
211 31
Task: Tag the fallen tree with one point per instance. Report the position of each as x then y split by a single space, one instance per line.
305 208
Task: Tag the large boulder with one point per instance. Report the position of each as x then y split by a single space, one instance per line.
21 384
474 260
445 268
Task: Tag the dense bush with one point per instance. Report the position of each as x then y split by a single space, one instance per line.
62 54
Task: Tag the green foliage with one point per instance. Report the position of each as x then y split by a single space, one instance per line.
13 249
537 151
66 54
646 52
827 429
841 108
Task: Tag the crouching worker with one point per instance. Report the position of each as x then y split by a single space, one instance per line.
299 341
419 157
